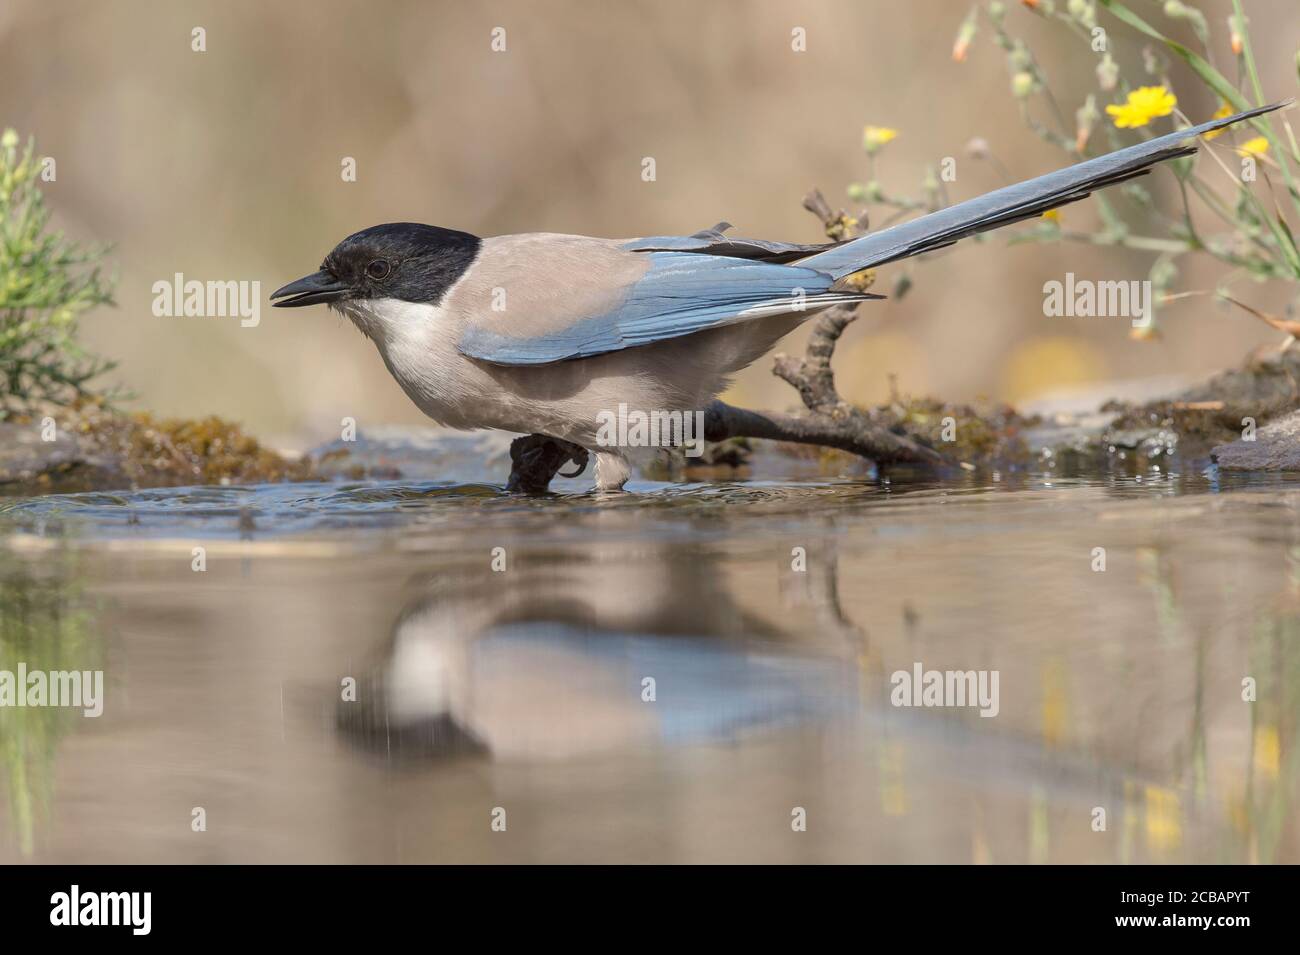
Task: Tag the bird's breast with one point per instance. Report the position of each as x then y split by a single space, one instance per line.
418 346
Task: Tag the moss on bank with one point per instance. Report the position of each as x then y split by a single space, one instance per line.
90 447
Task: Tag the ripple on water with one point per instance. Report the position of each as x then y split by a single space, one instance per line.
279 509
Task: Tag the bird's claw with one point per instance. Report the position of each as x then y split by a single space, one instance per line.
537 458
579 457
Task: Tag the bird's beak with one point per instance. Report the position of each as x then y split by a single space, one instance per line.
310 290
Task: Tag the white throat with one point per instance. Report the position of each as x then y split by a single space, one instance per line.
385 320
417 342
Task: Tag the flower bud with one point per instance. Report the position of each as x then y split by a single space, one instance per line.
873 137
964 37
1107 73
1234 30
1084 119
1084 12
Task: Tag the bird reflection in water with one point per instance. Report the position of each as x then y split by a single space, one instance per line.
571 658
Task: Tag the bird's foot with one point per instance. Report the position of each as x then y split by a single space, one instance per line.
537 458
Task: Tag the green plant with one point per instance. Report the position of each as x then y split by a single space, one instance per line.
1244 221
46 282
47 623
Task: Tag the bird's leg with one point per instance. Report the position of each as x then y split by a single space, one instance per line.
612 470
536 458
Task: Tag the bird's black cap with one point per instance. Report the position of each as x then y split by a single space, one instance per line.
404 260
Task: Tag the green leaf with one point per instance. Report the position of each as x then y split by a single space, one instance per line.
1212 77
1288 244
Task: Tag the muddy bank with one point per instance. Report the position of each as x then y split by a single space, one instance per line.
1215 413
92 448
1188 428
1274 447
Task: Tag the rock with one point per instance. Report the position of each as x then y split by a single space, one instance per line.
416 453
25 457
1264 383
1276 448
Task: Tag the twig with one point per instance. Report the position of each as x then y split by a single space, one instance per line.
853 432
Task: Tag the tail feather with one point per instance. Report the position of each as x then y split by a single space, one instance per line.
1011 204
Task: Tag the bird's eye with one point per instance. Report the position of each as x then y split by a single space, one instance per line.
377 269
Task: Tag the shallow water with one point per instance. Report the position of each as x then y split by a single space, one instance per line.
349 679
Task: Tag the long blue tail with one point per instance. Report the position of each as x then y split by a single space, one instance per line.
1024 200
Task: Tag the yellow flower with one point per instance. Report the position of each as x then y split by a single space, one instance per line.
873 137
1268 751
1223 111
1143 105
1254 147
1053 215
1164 819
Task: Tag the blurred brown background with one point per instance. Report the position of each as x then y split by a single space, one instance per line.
226 165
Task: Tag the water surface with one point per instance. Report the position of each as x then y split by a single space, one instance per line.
379 672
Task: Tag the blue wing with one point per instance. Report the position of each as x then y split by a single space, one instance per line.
680 293
714 242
